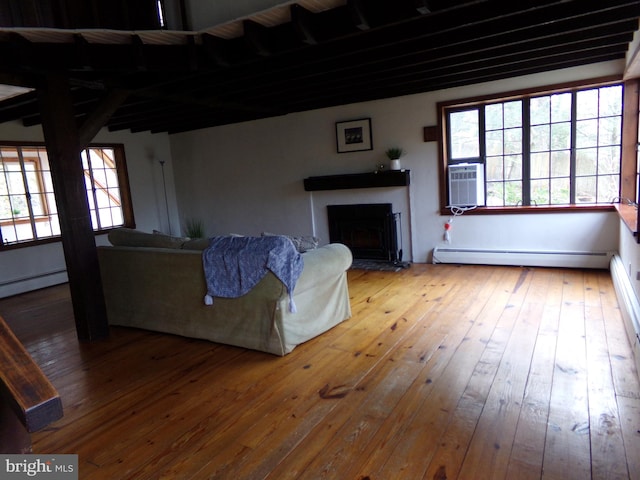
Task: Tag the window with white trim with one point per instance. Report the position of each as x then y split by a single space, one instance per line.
559 148
28 209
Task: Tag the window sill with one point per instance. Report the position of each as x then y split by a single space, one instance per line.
536 209
629 215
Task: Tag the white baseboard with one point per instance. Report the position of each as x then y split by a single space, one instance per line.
17 286
531 258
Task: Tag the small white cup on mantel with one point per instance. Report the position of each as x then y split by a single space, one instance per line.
395 164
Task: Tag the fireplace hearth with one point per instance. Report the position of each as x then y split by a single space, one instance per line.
369 230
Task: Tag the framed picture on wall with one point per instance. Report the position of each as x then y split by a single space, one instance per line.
354 135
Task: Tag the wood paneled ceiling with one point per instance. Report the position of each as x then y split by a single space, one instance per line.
360 50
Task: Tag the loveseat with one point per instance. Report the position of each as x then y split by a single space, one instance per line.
156 282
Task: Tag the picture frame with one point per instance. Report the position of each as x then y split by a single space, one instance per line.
354 135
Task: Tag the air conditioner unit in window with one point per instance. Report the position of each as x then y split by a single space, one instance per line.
466 184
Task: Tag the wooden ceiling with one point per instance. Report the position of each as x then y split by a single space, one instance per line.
175 81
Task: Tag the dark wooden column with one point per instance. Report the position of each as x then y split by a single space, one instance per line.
61 135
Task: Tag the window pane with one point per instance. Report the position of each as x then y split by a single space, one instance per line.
464 134
540 192
102 198
85 159
560 191
44 229
560 136
513 167
15 181
609 160
513 140
51 203
94 220
540 165
587 104
561 107
540 110
9 234
513 114
495 194
540 138
512 193
493 117
609 131
23 232
561 163
611 101
495 142
586 133
586 161
19 208
494 169
586 190
105 217
608 188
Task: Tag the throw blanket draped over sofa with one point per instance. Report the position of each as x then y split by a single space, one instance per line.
157 283
234 265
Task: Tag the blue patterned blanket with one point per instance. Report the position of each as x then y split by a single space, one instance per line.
234 265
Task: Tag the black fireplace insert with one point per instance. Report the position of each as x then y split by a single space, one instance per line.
369 230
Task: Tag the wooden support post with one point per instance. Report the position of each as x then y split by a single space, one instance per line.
78 241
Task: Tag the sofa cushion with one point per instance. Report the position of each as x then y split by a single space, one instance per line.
130 237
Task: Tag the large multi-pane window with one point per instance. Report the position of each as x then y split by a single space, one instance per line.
553 149
27 199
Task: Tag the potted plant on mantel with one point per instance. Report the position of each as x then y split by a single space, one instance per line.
394 155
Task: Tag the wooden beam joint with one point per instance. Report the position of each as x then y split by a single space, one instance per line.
356 7
257 38
303 24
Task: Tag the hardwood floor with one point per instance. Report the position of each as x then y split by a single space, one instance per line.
443 372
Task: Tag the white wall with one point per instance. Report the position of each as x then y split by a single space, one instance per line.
24 269
247 178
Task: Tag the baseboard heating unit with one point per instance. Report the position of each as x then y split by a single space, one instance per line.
524 258
629 306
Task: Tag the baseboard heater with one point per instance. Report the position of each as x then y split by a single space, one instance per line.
629 306
28 283
528 258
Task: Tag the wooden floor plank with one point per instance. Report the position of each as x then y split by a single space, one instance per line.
608 458
514 340
472 321
316 441
438 367
567 449
528 445
629 409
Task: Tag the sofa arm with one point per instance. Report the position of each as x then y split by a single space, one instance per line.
323 264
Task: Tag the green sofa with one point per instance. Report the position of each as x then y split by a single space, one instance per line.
156 282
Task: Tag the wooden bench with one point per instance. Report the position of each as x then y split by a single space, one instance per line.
28 401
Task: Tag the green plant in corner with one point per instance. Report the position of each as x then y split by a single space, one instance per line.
394 153
194 228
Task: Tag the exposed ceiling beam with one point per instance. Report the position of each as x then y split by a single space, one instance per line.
184 81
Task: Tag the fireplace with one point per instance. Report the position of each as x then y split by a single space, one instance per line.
369 230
